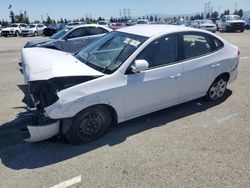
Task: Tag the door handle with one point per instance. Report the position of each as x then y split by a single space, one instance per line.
215 65
175 76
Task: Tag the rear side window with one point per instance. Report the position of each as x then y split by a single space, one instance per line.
195 45
79 32
217 43
96 30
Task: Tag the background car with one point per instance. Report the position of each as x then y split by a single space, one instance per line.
14 29
247 24
124 75
207 25
142 21
74 24
71 39
104 23
230 23
116 26
33 30
52 29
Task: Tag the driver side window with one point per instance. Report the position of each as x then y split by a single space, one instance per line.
79 32
161 52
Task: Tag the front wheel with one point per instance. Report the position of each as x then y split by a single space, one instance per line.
89 125
217 89
17 34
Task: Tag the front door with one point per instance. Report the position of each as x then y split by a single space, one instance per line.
158 86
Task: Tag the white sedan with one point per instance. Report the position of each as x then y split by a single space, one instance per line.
125 74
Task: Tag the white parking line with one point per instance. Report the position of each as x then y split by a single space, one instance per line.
241 58
68 183
228 117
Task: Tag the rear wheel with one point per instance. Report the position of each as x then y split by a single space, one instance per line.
217 89
89 125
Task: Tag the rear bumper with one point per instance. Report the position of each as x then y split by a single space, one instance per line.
233 75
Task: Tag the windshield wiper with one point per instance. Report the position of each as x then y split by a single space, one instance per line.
115 60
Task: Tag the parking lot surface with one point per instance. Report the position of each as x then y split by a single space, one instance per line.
196 144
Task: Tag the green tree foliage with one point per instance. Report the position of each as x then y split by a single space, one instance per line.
12 17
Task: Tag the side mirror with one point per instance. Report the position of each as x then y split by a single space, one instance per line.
139 65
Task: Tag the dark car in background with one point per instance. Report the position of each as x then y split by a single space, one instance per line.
52 29
247 24
72 38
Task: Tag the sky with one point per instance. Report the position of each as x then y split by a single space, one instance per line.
73 9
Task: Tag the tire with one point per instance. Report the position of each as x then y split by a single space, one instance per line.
17 34
5 36
35 34
89 125
242 30
217 89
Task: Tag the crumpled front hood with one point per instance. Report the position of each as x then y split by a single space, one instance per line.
36 42
44 64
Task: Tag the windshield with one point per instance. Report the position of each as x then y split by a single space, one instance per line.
31 26
234 17
61 33
53 26
206 22
110 51
13 25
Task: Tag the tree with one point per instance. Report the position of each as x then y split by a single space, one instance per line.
151 18
214 14
12 17
156 18
49 20
208 15
26 18
241 13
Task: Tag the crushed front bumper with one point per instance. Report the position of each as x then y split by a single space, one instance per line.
41 129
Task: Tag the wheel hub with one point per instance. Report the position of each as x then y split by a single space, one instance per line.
91 124
218 89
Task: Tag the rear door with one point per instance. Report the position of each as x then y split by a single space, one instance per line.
75 40
198 67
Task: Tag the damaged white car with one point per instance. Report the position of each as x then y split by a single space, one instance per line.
125 74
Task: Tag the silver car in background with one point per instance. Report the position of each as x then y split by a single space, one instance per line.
33 30
71 39
207 25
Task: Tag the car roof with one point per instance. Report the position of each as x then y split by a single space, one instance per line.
89 25
151 30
